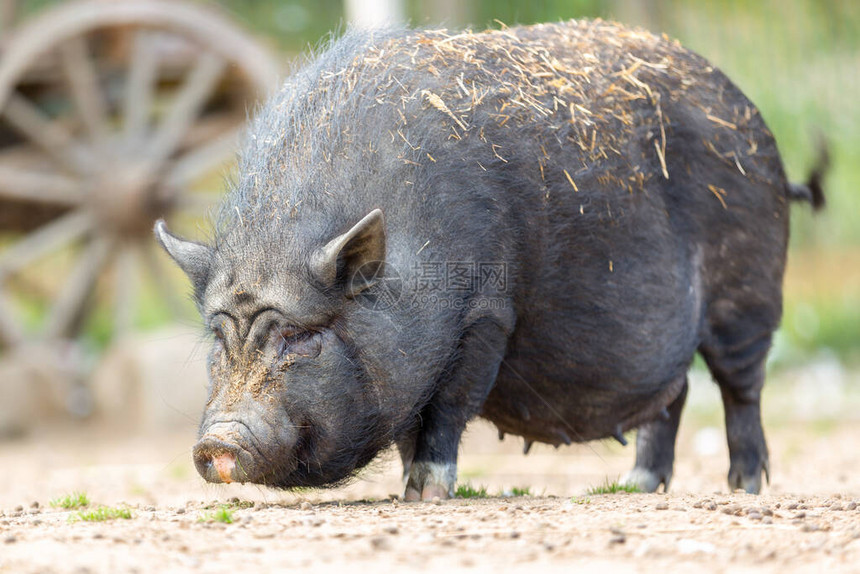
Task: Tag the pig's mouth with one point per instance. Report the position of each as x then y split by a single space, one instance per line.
229 451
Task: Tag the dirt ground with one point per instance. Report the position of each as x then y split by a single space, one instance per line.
807 520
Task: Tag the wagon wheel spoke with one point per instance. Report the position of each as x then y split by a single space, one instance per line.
54 139
10 332
126 279
162 281
140 86
39 187
204 158
68 306
49 237
198 85
84 85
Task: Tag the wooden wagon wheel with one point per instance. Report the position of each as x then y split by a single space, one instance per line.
109 111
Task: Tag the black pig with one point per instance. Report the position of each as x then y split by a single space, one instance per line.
540 226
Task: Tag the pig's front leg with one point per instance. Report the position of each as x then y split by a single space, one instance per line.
458 398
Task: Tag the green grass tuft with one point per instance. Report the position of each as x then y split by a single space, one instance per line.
221 514
102 513
71 501
580 500
613 487
521 491
468 491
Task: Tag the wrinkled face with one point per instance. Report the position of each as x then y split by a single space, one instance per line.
290 402
281 388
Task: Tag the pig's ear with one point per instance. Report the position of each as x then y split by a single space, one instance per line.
193 258
354 259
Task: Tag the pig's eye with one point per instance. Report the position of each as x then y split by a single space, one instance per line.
217 328
300 342
218 332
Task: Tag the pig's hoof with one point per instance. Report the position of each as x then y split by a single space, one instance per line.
647 480
429 480
748 481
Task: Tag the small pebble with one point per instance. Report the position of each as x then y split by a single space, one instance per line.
851 505
19 508
10 539
711 506
180 511
792 506
391 530
754 515
767 520
34 504
380 543
437 501
617 539
306 505
807 527
661 506
836 507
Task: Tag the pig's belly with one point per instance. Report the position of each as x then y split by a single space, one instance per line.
572 412
578 385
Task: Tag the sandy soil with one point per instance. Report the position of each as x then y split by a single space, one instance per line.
808 519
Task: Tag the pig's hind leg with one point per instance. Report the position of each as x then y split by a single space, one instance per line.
736 354
655 448
458 398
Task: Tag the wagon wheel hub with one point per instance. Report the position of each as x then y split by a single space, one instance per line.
112 114
127 198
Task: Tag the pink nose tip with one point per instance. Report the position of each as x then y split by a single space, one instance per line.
224 465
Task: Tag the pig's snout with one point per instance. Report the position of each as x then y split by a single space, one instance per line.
230 451
218 460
